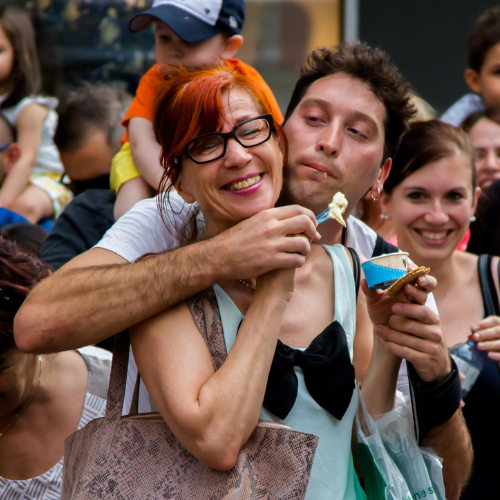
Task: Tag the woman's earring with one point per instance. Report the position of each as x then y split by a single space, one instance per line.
473 218
384 216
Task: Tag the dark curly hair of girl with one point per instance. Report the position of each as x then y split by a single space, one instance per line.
19 273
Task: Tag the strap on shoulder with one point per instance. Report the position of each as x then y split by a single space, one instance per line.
356 266
205 311
488 291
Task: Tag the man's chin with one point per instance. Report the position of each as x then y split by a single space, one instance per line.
306 193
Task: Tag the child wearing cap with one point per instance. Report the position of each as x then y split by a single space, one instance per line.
189 33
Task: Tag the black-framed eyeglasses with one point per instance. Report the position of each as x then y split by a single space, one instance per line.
3 147
248 133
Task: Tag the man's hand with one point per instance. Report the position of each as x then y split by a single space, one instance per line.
410 330
276 238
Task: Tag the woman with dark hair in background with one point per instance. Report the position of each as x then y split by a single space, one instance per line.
431 194
43 398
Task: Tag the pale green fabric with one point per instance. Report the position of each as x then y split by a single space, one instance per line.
333 475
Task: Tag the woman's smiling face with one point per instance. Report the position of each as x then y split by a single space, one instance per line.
431 208
244 181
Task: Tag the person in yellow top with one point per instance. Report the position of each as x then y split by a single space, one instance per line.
187 33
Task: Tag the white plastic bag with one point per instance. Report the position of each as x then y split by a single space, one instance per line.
401 470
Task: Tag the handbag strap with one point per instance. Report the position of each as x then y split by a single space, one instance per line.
488 290
205 311
118 376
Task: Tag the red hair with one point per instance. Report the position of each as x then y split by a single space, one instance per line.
190 105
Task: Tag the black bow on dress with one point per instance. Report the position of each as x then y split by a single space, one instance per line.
328 374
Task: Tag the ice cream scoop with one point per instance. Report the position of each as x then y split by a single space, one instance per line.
335 209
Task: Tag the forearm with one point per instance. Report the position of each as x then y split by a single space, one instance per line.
379 386
229 403
451 441
211 412
85 305
16 181
145 150
147 161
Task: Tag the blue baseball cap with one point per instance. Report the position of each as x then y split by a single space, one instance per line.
193 20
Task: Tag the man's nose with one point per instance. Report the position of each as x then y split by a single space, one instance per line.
330 140
492 160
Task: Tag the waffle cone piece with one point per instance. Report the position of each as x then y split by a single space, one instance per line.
407 278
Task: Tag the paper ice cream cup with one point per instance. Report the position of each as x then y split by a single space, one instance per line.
382 271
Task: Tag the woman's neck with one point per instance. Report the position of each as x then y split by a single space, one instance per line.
446 271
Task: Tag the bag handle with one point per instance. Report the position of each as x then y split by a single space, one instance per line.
118 376
205 311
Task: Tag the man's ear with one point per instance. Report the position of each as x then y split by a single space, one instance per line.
183 192
231 46
477 194
472 79
10 157
383 174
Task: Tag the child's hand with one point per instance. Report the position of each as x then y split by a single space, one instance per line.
487 334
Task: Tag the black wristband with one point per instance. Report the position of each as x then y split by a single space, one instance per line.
433 402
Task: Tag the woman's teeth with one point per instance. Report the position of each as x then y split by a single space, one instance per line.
433 236
236 186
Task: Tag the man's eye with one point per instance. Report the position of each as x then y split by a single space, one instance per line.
313 120
357 133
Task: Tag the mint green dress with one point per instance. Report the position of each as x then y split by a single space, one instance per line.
332 475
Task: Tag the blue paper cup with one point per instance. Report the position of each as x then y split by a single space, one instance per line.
382 271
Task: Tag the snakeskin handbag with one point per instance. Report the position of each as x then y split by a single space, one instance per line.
138 457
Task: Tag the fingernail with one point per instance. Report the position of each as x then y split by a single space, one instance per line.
481 345
421 280
475 336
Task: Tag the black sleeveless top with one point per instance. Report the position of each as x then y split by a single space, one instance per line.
482 406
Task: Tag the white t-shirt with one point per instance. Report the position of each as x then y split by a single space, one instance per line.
141 231
461 109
